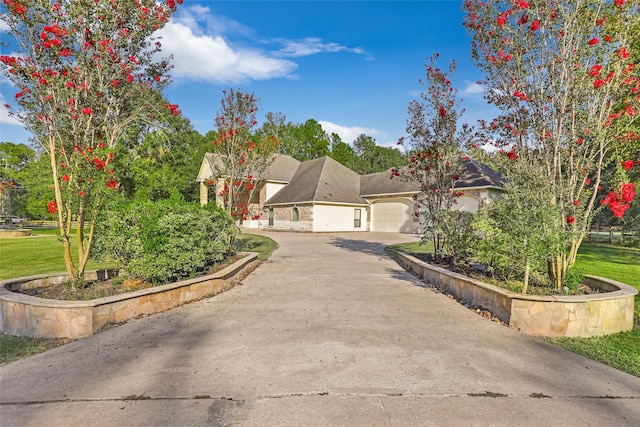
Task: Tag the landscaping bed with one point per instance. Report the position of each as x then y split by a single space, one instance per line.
31 316
108 287
539 315
479 272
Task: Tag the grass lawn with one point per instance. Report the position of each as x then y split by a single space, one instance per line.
40 254
622 350
255 243
16 348
43 254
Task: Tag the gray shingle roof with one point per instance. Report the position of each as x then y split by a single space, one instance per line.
282 168
321 180
479 175
382 183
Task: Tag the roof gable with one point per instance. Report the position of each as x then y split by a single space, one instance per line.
382 183
479 175
321 180
282 168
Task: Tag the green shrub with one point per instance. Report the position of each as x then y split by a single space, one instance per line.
574 278
164 240
457 234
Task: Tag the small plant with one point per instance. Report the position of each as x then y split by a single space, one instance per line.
514 286
118 280
72 286
457 234
573 279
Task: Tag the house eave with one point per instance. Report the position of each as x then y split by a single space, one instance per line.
405 193
481 187
341 204
289 203
312 202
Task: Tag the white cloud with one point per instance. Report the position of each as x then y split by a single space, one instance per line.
472 88
200 43
312 46
5 117
4 27
201 57
489 147
219 25
349 134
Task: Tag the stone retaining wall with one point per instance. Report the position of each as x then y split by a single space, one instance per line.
24 315
10 233
550 316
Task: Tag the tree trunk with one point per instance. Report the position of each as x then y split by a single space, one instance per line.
558 270
527 268
63 223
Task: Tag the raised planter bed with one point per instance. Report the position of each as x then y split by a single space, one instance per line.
10 233
25 315
551 316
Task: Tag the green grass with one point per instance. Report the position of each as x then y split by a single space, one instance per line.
255 243
411 247
622 350
16 348
37 255
43 254
48 231
612 262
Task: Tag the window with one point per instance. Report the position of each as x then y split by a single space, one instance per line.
295 215
357 215
271 217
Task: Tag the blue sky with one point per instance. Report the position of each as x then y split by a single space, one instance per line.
351 65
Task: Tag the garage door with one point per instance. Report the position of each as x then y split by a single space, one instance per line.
393 215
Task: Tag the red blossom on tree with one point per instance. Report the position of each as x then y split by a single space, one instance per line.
240 162
435 160
76 94
567 100
112 184
595 70
628 164
618 201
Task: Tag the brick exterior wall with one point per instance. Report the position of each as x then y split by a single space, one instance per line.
282 218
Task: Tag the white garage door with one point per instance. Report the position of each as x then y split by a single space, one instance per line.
393 215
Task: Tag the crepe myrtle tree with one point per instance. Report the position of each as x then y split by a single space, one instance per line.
85 71
564 77
434 147
242 157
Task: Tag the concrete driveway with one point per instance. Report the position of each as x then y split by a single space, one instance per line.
327 332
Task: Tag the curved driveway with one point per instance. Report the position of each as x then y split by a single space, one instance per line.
327 332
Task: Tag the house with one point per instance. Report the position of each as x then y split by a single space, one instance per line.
322 195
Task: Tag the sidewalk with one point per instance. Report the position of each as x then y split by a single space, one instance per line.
327 332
